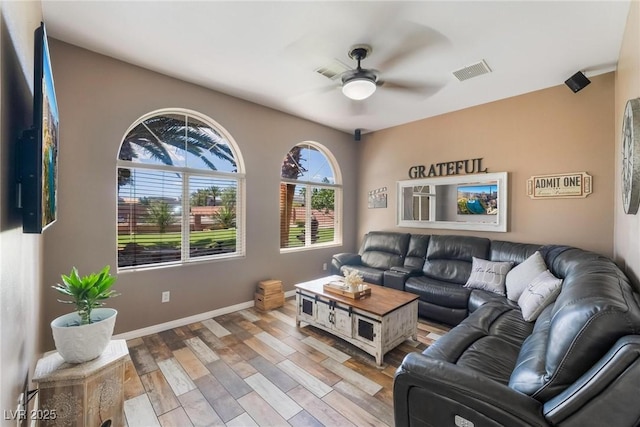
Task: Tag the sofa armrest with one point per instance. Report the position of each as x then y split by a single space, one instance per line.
345 258
397 277
607 394
431 392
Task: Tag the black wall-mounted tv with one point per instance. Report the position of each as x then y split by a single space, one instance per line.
38 147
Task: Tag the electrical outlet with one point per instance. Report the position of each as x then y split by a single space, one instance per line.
166 296
324 266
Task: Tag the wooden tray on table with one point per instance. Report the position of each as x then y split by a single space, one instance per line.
339 288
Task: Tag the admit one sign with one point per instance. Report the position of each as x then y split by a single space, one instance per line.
562 185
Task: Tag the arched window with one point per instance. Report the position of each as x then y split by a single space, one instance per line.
180 191
310 198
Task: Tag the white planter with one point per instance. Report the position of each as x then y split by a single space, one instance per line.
77 344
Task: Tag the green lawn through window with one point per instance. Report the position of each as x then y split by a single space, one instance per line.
209 238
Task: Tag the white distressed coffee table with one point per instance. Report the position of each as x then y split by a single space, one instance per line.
376 323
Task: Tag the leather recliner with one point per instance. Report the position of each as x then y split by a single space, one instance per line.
380 252
577 364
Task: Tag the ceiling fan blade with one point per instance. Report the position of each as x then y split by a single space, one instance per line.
321 46
415 39
326 89
315 92
418 89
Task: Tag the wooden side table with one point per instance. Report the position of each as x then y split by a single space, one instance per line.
88 394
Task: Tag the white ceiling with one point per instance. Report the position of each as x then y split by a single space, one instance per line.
267 51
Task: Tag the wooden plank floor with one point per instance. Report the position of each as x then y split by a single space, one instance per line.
251 368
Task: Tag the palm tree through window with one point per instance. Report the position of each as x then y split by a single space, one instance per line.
180 191
310 196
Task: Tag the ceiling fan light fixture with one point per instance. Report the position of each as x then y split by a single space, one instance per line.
359 88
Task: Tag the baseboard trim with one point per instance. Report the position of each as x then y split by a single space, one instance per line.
149 330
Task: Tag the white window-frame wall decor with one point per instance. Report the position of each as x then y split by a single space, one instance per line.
435 202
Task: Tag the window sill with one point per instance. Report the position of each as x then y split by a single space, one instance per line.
310 248
148 267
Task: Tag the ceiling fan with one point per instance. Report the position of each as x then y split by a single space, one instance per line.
360 83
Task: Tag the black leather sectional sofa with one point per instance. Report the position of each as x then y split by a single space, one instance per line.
576 364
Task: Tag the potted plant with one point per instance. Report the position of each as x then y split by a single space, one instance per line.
84 334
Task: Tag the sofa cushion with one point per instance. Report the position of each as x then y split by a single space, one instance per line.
512 251
416 252
438 292
444 315
369 274
462 248
452 271
449 257
488 275
478 298
487 342
522 274
383 250
538 294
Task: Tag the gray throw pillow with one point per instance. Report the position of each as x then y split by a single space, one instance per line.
538 294
522 274
488 275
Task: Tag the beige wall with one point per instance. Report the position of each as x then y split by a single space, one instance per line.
20 254
543 132
98 99
627 86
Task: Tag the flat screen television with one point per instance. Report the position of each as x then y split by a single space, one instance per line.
38 147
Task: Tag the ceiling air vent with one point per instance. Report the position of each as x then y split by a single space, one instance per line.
473 70
333 69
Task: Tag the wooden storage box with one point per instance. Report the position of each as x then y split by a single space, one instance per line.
269 295
269 302
268 287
